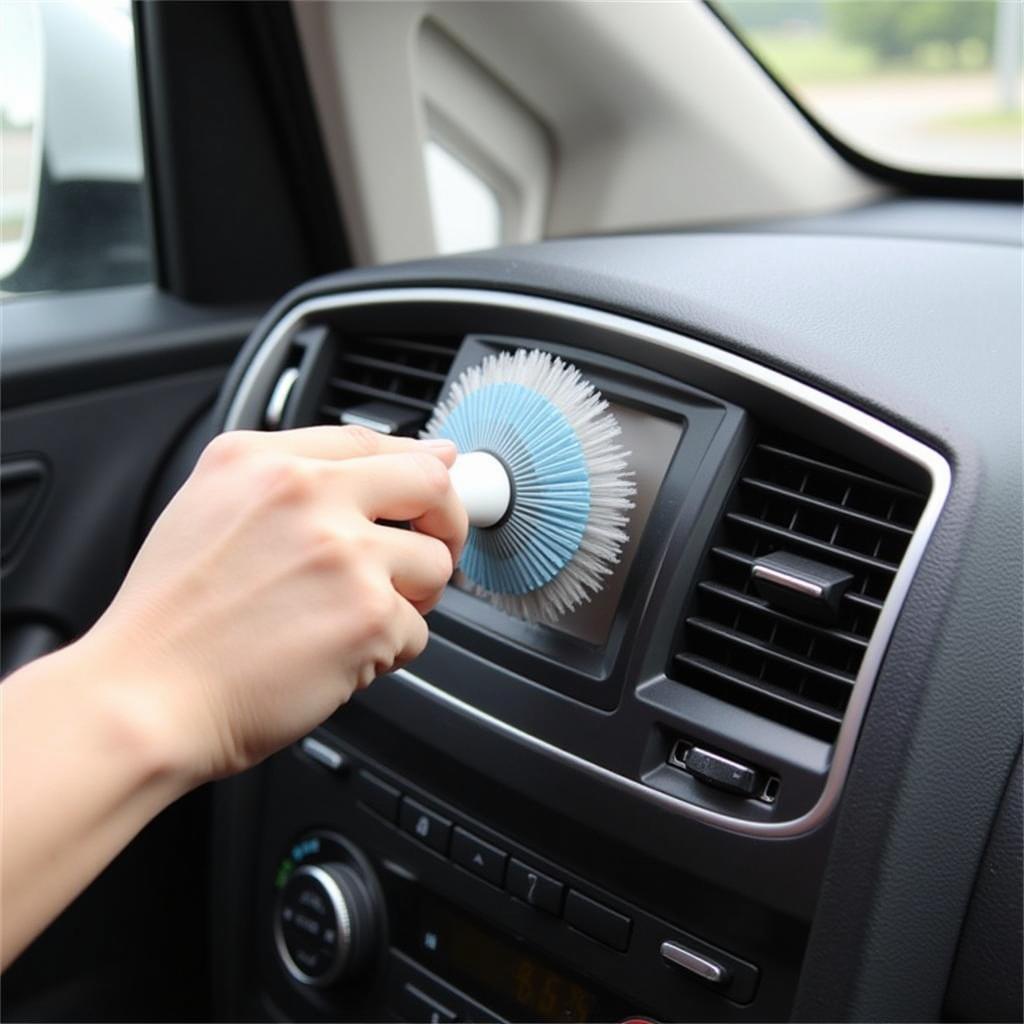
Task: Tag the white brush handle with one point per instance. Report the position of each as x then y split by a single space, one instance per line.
483 486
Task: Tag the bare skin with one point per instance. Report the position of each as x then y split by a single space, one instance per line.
264 597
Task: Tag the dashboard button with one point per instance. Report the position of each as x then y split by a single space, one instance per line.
695 963
416 1005
324 753
429 828
598 921
532 887
376 794
479 857
720 771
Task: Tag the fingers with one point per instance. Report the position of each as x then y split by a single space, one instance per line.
447 522
413 632
417 492
408 486
419 565
333 443
401 639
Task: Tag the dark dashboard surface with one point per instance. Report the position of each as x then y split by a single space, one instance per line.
896 906
943 220
925 335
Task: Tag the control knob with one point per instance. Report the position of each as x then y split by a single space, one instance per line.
325 924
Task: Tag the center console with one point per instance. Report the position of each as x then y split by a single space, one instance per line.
422 911
625 815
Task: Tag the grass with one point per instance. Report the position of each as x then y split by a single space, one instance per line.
812 57
1000 122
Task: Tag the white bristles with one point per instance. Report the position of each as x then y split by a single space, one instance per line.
611 486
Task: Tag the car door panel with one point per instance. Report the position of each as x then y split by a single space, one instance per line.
99 389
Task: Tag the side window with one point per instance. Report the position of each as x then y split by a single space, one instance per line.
465 209
933 86
486 155
72 206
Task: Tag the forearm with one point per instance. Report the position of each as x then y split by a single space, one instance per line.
188 675
87 762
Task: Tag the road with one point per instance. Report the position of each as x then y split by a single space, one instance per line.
899 119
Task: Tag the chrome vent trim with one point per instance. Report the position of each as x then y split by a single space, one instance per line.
246 408
777 662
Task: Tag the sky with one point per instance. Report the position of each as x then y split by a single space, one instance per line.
19 60
21 50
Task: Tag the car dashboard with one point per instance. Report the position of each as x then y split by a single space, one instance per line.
704 795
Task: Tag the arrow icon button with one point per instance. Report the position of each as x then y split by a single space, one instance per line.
478 856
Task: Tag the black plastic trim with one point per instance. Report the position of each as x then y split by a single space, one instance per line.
241 206
922 334
56 345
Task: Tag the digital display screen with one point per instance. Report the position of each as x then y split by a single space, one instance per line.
651 442
501 973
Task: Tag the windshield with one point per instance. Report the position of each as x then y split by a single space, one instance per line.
927 85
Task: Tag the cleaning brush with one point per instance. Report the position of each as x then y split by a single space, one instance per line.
546 486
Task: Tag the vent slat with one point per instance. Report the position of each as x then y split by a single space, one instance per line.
769 656
827 506
405 372
840 471
418 347
352 359
747 562
759 687
863 600
822 547
372 392
769 651
757 605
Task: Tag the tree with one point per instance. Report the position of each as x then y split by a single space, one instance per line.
895 28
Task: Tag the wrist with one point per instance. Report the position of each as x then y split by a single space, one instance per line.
130 712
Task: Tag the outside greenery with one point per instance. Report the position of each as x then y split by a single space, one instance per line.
931 84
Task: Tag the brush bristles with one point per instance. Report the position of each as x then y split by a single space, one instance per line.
536 510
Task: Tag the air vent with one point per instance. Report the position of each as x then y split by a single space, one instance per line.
392 383
784 665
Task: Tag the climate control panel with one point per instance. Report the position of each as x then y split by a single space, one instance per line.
396 905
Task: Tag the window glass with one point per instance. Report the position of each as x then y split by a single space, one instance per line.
466 210
72 205
929 85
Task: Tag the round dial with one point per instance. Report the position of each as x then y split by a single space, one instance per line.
325 923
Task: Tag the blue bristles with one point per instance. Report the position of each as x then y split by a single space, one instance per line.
571 486
551 490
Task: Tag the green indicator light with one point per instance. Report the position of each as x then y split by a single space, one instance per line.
284 872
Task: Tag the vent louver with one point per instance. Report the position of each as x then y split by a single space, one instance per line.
784 666
404 375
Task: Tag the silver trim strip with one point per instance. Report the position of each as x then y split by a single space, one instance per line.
351 419
693 962
783 579
279 397
246 408
323 754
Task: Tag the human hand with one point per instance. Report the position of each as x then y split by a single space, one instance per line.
267 593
